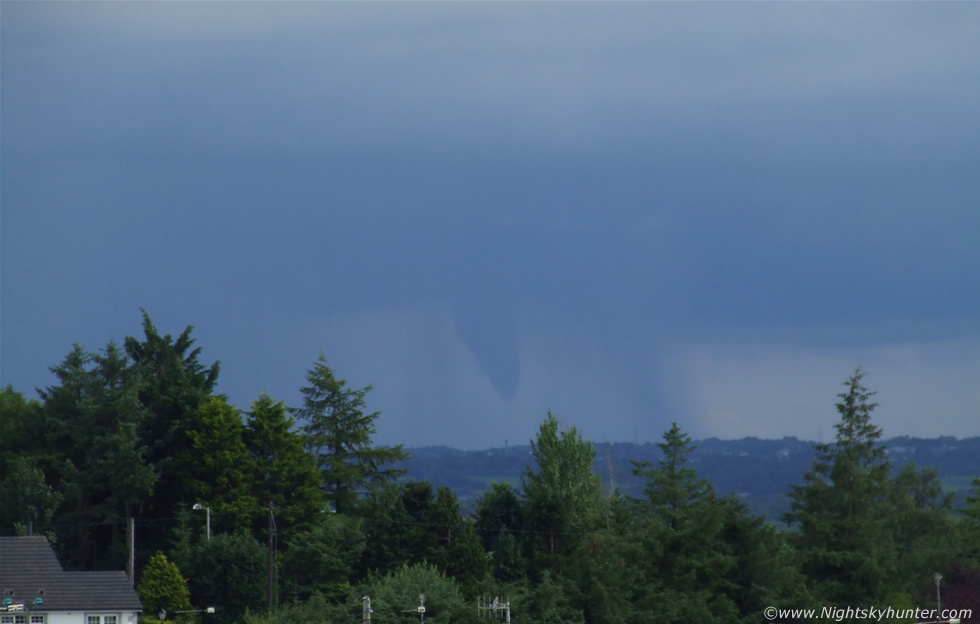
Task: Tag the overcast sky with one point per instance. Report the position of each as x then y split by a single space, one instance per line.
627 213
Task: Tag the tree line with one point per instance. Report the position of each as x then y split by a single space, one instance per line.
139 432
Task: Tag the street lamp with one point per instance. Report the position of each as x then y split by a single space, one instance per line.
199 507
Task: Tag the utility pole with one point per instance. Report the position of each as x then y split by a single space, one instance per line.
131 539
272 532
366 609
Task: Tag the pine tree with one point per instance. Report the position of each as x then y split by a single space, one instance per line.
683 535
841 510
339 433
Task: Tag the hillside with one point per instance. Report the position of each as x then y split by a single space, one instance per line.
759 471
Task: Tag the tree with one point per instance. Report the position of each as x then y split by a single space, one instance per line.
284 472
229 571
96 456
499 517
339 433
28 500
924 528
173 383
20 421
396 596
564 495
163 588
322 559
220 466
841 511
458 551
691 562
971 524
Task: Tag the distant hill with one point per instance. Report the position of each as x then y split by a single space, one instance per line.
759 471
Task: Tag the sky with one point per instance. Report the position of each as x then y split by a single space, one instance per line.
627 213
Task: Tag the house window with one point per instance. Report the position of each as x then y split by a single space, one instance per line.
101 618
13 619
37 619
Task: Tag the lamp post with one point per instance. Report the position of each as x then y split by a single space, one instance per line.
198 507
939 604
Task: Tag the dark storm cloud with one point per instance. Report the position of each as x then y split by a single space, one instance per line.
625 180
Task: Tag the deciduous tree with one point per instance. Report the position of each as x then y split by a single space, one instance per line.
563 496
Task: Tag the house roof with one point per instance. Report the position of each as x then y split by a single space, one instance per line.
29 565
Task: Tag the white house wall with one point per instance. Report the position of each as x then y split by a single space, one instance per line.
78 617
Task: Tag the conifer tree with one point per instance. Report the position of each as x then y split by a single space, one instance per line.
285 473
221 469
339 433
690 561
163 591
841 511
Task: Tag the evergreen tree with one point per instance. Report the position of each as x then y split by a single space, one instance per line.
21 427
28 501
230 574
284 473
339 433
458 551
322 559
173 385
163 590
691 564
220 466
841 511
498 509
98 461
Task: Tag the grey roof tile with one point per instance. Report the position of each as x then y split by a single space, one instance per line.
28 565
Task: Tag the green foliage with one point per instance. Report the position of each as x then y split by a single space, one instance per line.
173 383
971 525
321 560
138 432
766 572
563 496
691 563
220 466
339 432
499 515
162 587
28 501
458 552
842 509
316 610
19 424
230 572
395 596
97 459
547 602
284 472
